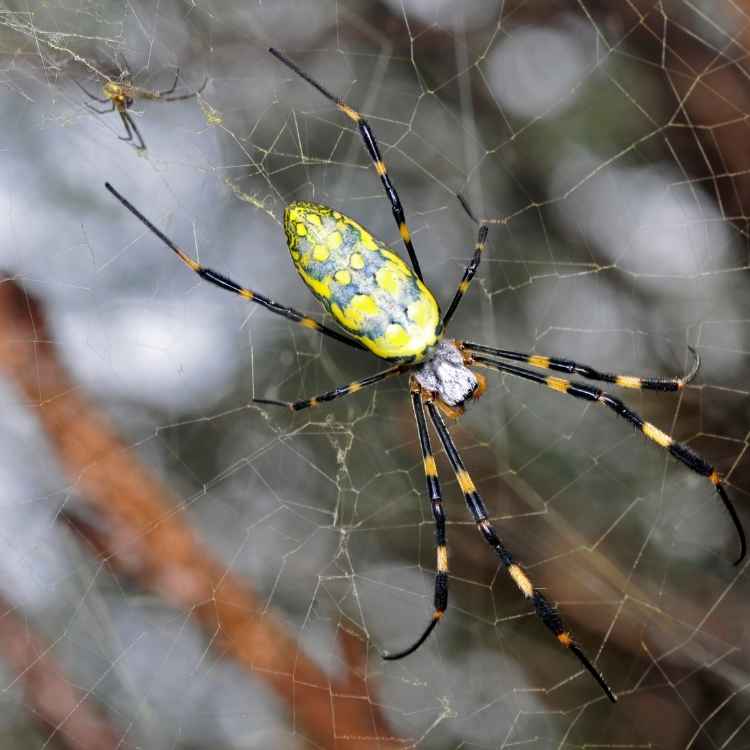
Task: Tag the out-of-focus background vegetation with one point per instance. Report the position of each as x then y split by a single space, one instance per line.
606 142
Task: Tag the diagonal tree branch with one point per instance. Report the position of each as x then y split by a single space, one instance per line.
139 528
63 710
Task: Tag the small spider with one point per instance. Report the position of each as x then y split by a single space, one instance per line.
121 95
385 308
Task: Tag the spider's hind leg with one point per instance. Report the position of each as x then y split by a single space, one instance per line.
438 513
129 123
545 611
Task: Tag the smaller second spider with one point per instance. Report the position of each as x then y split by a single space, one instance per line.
121 94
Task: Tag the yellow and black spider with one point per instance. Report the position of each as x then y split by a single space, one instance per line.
121 95
385 308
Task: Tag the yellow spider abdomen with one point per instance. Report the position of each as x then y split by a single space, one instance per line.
367 288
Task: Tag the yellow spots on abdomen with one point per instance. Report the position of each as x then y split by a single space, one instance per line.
364 304
334 240
366 286
396 336
423 312
389 280
320 253
355 314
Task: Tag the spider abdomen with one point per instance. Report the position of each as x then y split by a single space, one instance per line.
362 283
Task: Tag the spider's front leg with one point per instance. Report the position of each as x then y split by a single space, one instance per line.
228 285
368 138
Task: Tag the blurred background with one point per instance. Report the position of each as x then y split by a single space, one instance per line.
606 142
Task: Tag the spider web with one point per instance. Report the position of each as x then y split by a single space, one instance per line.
605 142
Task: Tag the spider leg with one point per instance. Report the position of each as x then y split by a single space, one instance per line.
336 393
99 111
89 94
128 122
168 91
129 136
223 282
125 72
471 267
368 137
680 451
438 513
141 143
187 96
546 612
586 371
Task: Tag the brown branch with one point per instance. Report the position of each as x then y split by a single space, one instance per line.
143 534
63 710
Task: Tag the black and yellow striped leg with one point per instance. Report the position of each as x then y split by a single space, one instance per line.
225 283
471 269
438 513
340 392
368 137
585 371
680 451
546 612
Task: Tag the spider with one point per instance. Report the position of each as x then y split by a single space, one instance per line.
385 308
121 95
